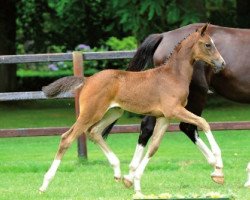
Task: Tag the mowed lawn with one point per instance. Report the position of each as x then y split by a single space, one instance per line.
177 168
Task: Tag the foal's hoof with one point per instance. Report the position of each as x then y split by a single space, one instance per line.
218 179
117 179
127 183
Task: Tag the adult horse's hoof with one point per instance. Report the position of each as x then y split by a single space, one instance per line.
127 183
218 179
117 179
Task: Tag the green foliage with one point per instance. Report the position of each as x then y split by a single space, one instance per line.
127 43
145 17
65 23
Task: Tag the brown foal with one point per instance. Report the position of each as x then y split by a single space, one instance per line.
161 92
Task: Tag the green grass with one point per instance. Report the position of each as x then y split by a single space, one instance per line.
177 168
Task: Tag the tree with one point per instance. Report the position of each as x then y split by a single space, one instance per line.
243 13
46 24
7 43
149 16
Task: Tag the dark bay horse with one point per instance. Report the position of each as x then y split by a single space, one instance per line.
232 83
105 95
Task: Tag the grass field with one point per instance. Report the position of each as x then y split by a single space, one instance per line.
177 168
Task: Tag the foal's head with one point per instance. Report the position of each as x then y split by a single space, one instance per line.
205 50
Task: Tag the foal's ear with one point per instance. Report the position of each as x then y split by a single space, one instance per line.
203 29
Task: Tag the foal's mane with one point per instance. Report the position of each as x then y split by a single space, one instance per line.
176 48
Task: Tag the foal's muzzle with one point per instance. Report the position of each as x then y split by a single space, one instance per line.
218 65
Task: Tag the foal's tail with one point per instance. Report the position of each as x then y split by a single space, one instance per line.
62 85
144 54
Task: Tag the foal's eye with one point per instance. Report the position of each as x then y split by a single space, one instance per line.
207 45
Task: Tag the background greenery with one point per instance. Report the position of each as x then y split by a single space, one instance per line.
98 25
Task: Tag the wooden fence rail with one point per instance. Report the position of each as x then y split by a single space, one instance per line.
77 67
132 128
57 57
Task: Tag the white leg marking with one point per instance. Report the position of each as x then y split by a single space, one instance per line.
139 172
139 151
50 175
247 184
217 154
113 160
205 150
159 130
115 163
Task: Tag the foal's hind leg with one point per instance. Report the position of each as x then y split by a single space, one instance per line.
66 139
214 157
95 135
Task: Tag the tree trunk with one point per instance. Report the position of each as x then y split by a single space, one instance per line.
243 13
7 43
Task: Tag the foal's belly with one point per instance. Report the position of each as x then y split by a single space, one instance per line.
142 107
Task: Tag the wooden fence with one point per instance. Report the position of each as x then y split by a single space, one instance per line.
78 61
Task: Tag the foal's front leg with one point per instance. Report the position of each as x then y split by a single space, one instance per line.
214 156
159 130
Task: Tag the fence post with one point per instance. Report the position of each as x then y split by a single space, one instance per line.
78 71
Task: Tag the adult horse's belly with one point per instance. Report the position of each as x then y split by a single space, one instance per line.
234 81
233 85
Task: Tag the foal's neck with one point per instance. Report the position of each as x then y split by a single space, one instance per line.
180 61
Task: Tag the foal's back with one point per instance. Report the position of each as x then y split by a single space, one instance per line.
123 89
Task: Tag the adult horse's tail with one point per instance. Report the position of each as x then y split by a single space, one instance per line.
144 54
62 85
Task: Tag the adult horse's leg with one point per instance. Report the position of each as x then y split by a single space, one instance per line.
96 136
147 127
215 161
159 130
247 184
